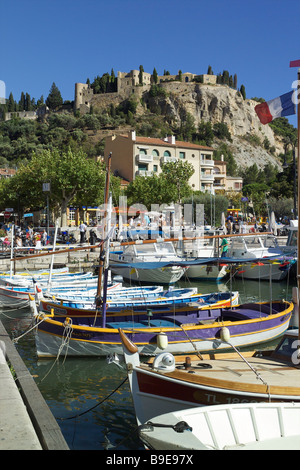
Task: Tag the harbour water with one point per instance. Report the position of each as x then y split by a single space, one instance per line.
90 398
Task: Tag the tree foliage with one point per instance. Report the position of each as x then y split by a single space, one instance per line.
231 168
74 179
169 186
54 99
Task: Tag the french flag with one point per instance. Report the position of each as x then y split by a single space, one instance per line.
278 107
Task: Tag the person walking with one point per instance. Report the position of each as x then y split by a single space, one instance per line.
44 238
82 230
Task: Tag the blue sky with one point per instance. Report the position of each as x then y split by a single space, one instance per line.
68 41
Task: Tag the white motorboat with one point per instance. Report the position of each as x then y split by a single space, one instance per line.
272 263
247 426
204 247
147 256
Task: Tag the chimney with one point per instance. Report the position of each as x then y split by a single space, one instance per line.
171 139
133 135
222 158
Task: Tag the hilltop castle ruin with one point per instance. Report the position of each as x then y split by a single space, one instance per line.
127 85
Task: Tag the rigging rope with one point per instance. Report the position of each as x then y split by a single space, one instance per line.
97 404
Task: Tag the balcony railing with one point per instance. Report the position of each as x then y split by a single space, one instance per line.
207 163
168 159
207 177
141 158
144 173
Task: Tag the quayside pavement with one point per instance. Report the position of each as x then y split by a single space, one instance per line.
26 422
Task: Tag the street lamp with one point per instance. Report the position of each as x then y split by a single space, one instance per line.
47 189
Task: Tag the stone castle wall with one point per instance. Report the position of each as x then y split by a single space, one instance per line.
128 85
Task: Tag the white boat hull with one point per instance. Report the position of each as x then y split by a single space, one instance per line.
164 275
252 426
263 272
206 272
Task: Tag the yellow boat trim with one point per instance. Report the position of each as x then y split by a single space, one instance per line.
47 318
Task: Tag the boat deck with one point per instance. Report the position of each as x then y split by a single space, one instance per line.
234 372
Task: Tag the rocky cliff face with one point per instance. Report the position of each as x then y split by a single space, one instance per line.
219 103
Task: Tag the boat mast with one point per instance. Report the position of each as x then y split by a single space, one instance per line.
102 250
106 261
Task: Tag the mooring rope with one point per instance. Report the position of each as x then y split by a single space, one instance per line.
97 404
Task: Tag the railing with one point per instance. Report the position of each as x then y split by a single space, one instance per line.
168 159
144 173
207 162
207 177
141 158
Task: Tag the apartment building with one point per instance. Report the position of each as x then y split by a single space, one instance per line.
134 155
142 156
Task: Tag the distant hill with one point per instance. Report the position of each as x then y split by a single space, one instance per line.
174 103
171 107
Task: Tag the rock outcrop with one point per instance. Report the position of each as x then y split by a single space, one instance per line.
220 103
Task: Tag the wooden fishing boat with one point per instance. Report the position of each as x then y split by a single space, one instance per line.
251 426
117 301
134 295
58 279
185 330
171 384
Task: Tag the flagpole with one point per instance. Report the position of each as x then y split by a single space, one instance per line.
298 212
296 63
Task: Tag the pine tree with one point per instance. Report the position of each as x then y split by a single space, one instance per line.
54 99
11 104
235 81
141 75
225 77
22 102
27 102
243 91
40 102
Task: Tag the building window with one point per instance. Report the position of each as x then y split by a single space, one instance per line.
155 168
167 153
143 166
155 153
72 214
182 155
142 151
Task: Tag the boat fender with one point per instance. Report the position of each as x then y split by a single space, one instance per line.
162 340
225 334
164 361
38 292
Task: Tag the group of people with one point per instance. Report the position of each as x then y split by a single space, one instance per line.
235 225
26 237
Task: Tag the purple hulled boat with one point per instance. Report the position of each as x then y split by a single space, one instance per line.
202 331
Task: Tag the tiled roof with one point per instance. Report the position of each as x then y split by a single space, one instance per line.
7 172
178 143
